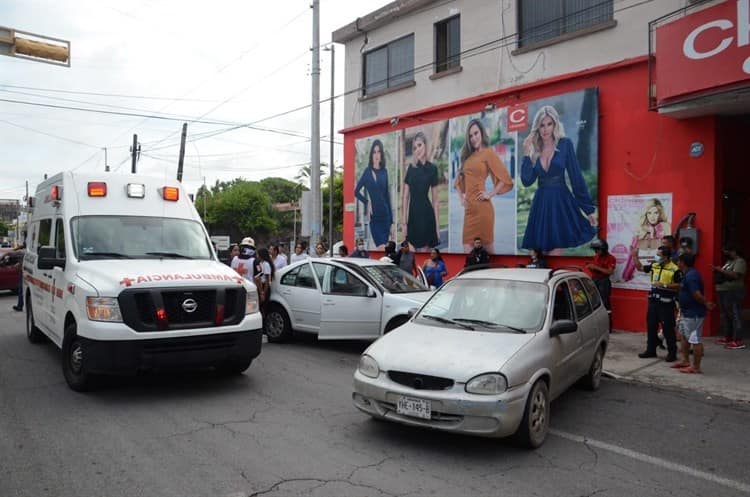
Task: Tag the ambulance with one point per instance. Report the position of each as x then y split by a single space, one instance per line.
121 275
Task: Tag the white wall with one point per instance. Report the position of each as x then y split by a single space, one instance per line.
483 21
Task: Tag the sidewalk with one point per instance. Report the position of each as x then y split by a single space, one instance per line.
726 373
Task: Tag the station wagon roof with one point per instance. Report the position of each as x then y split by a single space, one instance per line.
518 274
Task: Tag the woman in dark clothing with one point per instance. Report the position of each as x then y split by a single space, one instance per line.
377 200
537 259
421 216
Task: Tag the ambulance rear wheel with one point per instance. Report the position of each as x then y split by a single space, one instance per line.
33 333
73 361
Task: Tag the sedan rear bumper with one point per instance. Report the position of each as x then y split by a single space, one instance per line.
453 410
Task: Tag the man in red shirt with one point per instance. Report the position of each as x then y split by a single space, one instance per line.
600 268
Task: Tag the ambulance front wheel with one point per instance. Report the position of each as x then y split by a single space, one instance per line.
73 361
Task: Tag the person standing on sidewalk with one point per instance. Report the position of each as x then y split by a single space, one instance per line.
693 305
478 254
600 268
730 285
665 282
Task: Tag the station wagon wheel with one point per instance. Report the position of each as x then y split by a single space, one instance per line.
33 333
73 361
593 378
276 324
535 422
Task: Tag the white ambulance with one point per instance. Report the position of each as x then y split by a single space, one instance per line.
120 274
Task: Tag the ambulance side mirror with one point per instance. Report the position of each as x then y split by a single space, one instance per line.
47 258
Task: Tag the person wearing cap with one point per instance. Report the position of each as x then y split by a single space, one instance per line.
665 283
600 268
244 262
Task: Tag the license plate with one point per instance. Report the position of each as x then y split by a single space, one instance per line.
417 408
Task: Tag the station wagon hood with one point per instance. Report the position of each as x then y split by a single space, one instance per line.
110 276
458 354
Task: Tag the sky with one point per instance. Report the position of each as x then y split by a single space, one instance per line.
225 62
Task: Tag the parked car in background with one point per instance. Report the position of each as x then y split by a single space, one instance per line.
9 270
341 298
487 353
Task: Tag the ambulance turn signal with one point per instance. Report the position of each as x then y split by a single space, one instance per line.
97 189
171 193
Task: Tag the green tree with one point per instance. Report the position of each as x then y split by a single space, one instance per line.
238 208
3 228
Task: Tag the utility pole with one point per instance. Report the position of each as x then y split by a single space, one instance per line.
106 166
317 211
330 155
134 153
205 196
182 152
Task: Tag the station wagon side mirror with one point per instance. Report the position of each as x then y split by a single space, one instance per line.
47 259
563 327
371 292
411 312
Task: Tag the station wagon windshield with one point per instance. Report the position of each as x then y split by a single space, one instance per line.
393 279
138 237
488 305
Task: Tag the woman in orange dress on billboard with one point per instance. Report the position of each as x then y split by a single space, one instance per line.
479 161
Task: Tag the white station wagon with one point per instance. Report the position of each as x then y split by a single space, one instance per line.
341 298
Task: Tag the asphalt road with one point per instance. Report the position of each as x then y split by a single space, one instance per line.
287 427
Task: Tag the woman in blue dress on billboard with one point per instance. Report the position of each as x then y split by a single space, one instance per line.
374 180
558 218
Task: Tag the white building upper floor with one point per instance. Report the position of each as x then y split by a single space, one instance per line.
415 54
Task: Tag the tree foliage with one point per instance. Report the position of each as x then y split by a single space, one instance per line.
3 228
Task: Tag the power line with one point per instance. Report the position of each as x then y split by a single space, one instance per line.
49 134
96 94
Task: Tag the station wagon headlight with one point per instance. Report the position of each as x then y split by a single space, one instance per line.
487 384
251 302
103 309
368 366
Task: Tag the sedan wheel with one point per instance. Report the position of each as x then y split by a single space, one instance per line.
535 422
276 324
593 378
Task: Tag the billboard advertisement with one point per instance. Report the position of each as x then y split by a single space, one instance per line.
635 227
518 177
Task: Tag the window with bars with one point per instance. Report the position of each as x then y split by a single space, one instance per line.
544 20
389 65
447 44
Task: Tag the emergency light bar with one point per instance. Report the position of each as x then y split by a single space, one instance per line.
171 193
97 189
136 190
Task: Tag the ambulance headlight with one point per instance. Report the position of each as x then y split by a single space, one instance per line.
251 302
103 309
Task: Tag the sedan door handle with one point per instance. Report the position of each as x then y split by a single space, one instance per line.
329 302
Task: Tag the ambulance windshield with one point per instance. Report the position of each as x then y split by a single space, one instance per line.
138 237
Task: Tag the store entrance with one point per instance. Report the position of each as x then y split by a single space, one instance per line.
734 154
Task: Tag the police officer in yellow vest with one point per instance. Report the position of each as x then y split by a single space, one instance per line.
665 285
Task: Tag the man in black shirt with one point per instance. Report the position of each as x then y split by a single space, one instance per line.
478 255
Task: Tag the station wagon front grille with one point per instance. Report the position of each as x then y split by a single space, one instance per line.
420 381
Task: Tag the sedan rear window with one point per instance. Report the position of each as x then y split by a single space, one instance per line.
394 279
490 304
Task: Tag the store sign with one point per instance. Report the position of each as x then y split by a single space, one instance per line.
707 49
518 117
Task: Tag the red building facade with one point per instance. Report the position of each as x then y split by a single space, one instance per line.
687 141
